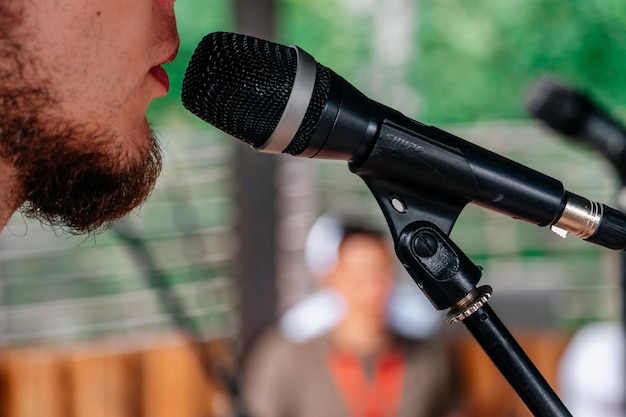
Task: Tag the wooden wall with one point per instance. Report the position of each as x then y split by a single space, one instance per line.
163 379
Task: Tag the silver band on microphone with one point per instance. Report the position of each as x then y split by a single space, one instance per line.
580 217
297 105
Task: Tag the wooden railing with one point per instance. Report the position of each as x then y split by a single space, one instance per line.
163 378
486 392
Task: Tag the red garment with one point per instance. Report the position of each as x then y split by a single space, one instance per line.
286 379
369 397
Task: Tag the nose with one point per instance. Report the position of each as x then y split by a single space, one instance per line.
165 8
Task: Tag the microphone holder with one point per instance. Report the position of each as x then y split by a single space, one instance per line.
420 225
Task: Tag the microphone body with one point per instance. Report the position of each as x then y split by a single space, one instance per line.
324 116
424 159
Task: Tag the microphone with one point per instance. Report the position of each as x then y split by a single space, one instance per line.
279 99
573 114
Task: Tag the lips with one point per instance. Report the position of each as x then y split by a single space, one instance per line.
159 73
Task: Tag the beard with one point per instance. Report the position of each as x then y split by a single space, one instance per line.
75 177
81 188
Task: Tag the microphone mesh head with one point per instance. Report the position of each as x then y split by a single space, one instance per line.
241 85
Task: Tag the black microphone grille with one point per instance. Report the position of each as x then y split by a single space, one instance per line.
241 84
557 105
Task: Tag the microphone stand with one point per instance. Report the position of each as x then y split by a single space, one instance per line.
420 224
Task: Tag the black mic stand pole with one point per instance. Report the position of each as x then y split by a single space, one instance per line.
420 228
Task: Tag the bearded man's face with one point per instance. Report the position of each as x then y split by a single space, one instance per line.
76 78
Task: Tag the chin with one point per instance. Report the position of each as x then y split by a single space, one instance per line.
93 179
132 147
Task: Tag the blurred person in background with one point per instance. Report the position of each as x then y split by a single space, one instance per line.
353 362
76 78
592 371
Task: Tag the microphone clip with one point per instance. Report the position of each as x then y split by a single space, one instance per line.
420 227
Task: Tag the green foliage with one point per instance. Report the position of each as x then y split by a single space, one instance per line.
474 60
327 30
478 58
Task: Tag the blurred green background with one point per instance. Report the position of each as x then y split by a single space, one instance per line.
464 66
463 61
